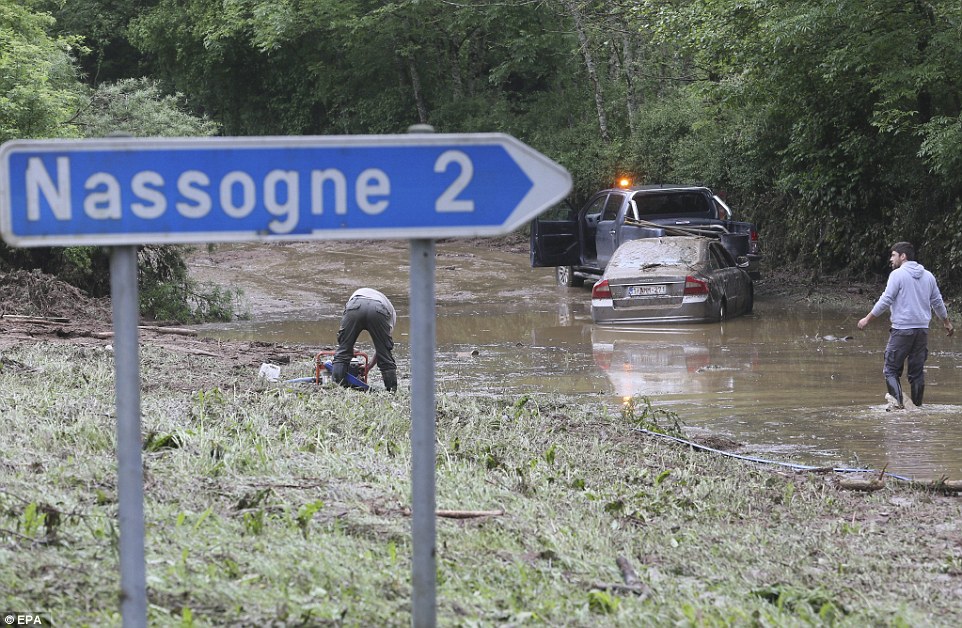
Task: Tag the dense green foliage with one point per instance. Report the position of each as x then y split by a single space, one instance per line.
41 96
39 91
825 122
834 125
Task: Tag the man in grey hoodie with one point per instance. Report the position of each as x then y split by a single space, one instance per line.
911 294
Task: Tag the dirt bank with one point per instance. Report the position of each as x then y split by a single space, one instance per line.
37 308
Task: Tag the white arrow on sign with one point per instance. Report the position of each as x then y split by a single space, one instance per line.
126 191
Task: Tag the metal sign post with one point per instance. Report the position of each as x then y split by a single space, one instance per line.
130 480
423 340
127 192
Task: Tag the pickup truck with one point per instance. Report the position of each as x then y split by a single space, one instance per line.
580 244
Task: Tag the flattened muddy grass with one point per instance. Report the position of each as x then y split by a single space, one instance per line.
275 505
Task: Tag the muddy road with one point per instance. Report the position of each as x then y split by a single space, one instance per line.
795 379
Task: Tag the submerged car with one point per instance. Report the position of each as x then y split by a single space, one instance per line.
672 278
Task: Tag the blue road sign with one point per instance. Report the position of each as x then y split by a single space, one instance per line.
126 191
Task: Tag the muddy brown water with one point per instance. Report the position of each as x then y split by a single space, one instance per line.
792 382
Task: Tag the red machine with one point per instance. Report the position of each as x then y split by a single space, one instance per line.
356 371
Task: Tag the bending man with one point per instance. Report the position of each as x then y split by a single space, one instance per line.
911 294
369 310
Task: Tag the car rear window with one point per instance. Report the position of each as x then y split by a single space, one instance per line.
674 203
668 251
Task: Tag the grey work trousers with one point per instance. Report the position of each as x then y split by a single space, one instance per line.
907 344
362 314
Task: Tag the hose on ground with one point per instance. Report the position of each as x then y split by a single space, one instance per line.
790 465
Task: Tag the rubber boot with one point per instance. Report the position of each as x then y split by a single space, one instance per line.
895 390
339 374
918 390
390 380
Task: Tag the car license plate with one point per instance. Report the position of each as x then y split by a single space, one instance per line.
647 291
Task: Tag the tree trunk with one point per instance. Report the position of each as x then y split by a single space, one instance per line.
627 67
572 8
418 96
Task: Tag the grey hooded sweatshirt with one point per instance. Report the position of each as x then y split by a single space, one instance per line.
912 293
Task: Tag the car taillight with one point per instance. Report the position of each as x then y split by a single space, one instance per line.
601 290
695 286
753 244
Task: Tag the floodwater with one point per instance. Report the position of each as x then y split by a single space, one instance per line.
790 382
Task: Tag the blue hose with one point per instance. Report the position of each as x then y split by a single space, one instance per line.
790 465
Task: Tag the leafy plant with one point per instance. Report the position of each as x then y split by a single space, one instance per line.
306 513
31 520
602 602
641 412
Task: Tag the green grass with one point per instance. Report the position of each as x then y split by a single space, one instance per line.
268 505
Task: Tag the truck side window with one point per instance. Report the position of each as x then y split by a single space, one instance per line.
562 211
612 207
593 212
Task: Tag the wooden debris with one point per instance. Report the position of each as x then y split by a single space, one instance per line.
468 514
954 486
633 583
628 573
868 485
191 351
38 320
14 365
859 484
642 590
943 484
177 331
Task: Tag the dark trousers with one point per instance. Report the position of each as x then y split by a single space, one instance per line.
907 344
362 314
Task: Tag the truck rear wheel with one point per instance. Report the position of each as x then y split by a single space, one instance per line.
565 275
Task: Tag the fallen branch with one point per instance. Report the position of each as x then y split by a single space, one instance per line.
15 365
872 484
628 573
190 351
633 583
468 514
39 320
177 331
639 589
869 485
943 484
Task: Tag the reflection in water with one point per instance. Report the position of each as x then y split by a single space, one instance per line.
783 381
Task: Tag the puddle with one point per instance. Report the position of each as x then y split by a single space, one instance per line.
786 379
